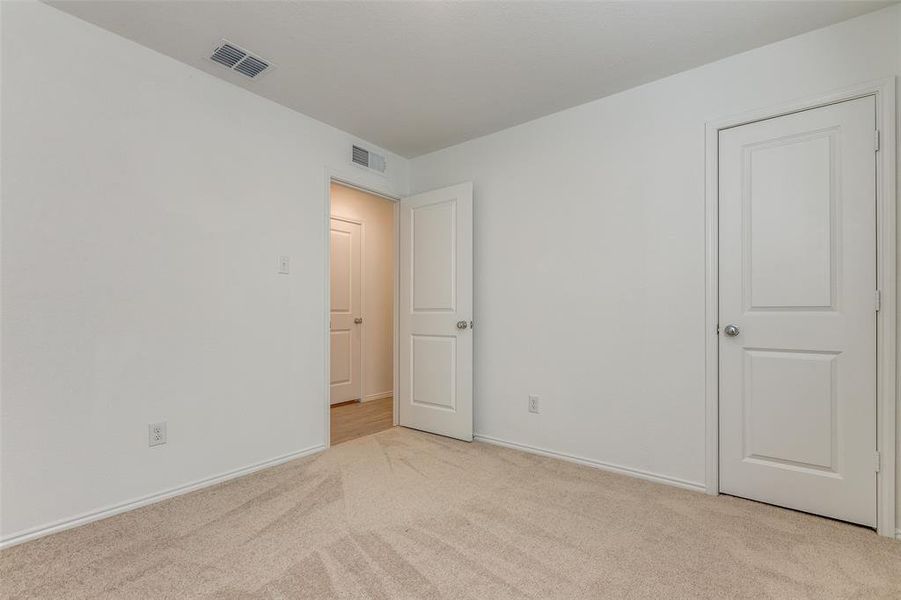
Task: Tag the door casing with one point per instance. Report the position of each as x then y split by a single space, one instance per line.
886 275
348 180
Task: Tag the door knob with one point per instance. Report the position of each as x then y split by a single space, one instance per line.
462 324
358 320
731 330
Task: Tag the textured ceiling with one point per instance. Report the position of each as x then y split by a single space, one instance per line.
414 77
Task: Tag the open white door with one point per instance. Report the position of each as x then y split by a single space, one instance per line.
435 312
345 363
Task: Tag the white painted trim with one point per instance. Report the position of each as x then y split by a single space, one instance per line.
588 462
395 413
886 325
886 259
109 511
898 534
711 312
378 396
348 179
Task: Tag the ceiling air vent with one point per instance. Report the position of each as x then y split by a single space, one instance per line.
370 160
237 59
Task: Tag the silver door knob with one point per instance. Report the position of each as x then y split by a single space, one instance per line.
462 324
358 320
731 330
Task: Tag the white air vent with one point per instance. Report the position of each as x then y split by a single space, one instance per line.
237 59
370 160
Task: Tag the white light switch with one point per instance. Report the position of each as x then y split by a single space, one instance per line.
284 265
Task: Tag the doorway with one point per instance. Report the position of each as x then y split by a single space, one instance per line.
361 313
431 324
800 285
797 285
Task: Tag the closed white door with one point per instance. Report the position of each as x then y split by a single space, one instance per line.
797 305
346 311
435 312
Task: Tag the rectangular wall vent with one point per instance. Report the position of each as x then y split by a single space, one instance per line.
237 59
370 160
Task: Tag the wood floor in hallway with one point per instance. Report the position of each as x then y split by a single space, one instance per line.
356 419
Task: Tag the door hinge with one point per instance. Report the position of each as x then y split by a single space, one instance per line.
878 461
878 300
876 141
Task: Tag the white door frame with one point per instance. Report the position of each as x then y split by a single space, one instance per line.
346 179
886 241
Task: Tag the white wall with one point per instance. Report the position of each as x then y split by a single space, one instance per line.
589 250
377 216
145 205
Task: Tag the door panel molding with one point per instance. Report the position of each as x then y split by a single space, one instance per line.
886 247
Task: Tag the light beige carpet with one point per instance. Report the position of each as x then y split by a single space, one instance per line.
403 514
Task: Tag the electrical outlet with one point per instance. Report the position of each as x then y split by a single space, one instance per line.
284 265
533 404
156 434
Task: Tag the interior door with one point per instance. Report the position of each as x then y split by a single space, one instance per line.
435 312
797 311
346 311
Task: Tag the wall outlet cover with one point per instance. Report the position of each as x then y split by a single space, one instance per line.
156 434
533 404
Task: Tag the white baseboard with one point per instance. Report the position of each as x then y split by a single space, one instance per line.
378 396
103 513
674 481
